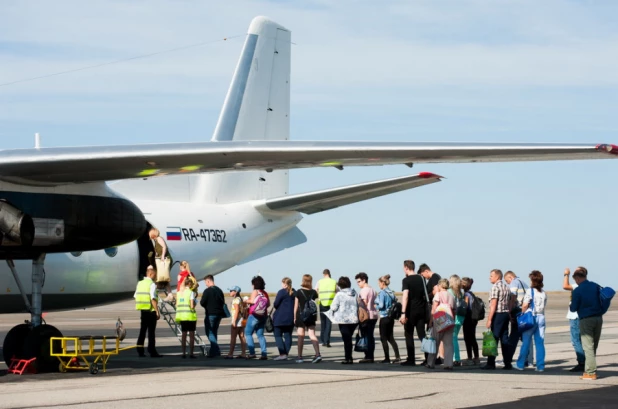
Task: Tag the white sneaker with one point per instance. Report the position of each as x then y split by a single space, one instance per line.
317 359
517 368
281 358
299 360
539 370
500 363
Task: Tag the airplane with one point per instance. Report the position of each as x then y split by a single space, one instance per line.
81 215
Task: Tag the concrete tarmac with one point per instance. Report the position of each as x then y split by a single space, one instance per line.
215 383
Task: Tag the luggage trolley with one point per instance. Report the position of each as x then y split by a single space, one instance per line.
74 353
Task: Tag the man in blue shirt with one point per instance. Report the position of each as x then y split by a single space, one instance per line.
587 304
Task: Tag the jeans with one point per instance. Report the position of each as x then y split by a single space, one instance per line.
281 333
211 325
387 326
326 326
347 331
469 333
538 332
367 331
514 337
256 325
456 343
148 323
500 329
590 329
576 340
415 320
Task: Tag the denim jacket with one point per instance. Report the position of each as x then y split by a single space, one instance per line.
384 300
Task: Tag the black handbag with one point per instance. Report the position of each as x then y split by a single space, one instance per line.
361 343
269 326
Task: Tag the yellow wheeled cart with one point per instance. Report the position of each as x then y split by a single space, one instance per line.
75 353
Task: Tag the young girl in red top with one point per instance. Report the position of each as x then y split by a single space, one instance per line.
185 271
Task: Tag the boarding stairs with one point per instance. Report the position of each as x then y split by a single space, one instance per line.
167 311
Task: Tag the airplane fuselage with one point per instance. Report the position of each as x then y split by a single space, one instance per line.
211 237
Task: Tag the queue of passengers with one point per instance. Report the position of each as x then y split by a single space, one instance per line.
437 308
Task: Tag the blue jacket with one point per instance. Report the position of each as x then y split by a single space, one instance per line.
284 309
586 302
383 301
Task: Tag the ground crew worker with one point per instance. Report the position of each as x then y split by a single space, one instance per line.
186 315
146 302
326 288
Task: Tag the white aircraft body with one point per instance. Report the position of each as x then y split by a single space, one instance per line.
81 215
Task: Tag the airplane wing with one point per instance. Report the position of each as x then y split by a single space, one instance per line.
322 200
54 166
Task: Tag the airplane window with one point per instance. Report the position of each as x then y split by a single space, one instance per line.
112 251
76 253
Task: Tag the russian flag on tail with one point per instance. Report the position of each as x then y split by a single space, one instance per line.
173 234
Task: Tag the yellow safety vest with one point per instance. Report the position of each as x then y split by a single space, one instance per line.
326 290
184 312
142 295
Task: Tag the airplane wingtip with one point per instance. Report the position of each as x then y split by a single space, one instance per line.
609 148
429 175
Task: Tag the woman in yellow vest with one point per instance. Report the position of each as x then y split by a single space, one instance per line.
186 315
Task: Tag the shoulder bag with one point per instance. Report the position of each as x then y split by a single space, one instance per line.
526 321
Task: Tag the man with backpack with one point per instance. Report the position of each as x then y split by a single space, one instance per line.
587 304
576 339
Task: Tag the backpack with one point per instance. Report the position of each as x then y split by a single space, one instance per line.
605 295
477 309
260 306
309 313
242 309
363 312
460 307
395 310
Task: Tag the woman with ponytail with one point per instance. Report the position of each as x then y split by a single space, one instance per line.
385 299
283 318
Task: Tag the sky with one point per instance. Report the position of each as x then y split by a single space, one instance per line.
452 71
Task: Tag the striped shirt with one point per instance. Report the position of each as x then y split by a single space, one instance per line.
501 292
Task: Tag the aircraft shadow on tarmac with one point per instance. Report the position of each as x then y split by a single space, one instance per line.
128 363
596 398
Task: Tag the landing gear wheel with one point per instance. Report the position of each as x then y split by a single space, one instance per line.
37 345
94 369
14 343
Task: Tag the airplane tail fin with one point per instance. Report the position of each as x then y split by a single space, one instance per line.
256 107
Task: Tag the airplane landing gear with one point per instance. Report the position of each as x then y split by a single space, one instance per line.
30 340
